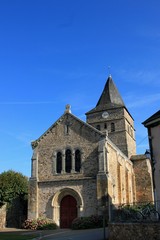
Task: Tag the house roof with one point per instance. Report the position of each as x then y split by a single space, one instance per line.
110 97
153 120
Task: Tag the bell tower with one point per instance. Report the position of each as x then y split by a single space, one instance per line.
111 115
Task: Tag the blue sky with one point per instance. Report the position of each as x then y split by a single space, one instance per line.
55 52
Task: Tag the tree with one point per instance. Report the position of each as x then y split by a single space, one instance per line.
14 192
13 185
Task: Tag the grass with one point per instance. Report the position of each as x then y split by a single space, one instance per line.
18 235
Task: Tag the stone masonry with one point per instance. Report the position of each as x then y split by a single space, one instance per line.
3 216
134 231
88 163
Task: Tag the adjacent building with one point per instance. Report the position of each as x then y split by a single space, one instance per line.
153 126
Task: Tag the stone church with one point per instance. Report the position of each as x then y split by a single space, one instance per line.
78 167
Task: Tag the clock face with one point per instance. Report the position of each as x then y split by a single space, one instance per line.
105 114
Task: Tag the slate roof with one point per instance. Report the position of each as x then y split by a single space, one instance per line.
110 97
154 119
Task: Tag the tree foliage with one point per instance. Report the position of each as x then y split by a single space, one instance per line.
13 185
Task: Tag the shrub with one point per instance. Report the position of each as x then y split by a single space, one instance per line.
93 221
39 224
14 193
13 185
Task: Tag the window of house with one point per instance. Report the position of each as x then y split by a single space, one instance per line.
77 160
112 127
68 160
105 125
59 162
98 127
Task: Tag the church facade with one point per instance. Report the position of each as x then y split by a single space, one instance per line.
78 167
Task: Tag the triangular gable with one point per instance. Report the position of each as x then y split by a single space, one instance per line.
35 142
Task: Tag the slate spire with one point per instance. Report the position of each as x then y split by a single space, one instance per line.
110 97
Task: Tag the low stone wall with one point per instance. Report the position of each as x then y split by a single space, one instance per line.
134 231
3 216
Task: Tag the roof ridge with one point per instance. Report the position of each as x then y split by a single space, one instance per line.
152 117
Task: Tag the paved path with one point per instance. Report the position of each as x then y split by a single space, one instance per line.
64 234
90 234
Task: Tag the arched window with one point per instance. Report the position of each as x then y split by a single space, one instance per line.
59 162
105 125
68 160
112 127
77 160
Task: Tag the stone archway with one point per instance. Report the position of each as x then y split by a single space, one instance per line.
60 199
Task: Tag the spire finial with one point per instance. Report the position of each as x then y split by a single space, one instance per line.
109 71
68 108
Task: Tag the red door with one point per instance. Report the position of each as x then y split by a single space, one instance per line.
68 211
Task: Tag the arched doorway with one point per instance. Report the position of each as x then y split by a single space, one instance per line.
57 199
68 211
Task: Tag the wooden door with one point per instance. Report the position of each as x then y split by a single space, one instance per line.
68 211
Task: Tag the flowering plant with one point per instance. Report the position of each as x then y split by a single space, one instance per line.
39 224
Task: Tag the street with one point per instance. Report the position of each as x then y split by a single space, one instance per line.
67 234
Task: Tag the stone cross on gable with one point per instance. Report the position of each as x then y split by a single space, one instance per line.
67 125
67 122
68 108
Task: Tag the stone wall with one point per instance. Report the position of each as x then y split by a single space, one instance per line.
120 182
105 170
134 231
46 183
85 188
3 216
56 140
124 135
143 178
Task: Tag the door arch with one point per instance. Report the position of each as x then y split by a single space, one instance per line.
56 202
68 211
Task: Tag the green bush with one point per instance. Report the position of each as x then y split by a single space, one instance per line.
14 193
39 224
93 221
13 185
